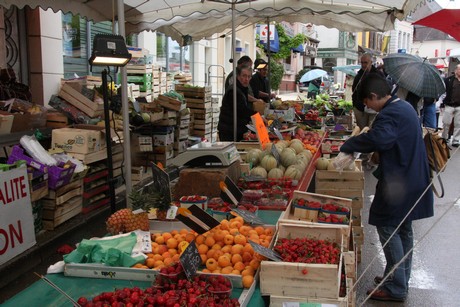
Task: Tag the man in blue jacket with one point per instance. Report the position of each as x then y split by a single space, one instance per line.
403 177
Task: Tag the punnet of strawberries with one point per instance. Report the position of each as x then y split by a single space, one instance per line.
200 291
301 202
308 250
334 208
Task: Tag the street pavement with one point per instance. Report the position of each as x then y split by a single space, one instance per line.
435 277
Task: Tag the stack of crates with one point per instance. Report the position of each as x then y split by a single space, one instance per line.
140 72
198 100
181 133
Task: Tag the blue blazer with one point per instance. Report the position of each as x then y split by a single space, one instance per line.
404 173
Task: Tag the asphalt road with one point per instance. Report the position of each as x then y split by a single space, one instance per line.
435 278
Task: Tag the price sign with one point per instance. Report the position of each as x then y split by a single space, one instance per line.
275 153
248 216
233 189
270 254
261 129
160 182
190 260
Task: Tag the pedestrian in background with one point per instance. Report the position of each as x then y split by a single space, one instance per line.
403 176
452 107
363 116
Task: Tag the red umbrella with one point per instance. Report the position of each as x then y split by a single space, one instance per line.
446 20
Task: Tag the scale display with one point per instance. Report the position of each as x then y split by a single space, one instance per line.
208 154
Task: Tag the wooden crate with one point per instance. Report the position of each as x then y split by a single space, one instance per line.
62 213
287 279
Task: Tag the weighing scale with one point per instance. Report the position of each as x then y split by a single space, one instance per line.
208 154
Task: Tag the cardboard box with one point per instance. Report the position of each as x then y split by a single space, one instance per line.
75 140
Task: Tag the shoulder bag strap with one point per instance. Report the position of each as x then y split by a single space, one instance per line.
436 168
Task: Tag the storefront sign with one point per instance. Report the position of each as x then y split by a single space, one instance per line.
16 220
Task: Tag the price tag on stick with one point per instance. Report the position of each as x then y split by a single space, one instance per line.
270 254
248 216
190 260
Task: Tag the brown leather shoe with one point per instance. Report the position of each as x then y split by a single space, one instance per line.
383 295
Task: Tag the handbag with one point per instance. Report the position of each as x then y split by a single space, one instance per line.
438 153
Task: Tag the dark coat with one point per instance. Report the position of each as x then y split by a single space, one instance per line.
357 83
449 82
404 173
244 113
259 84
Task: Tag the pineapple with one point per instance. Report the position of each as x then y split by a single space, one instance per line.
116 222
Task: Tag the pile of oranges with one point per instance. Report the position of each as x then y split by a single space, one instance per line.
224 249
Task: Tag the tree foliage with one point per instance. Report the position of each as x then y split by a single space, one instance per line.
286 43
276 74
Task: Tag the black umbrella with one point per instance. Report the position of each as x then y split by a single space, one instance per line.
415 74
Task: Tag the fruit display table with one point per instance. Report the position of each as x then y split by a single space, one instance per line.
42 294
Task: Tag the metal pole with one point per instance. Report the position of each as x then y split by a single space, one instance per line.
268 55
125 107
234 72
108 140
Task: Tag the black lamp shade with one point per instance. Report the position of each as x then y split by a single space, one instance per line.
109 50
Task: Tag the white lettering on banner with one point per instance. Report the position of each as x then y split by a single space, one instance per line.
9 235
17 232
13 190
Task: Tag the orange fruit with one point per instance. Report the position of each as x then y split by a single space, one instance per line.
168 261
216 271
166 255
236 272
210 253
158 257
248 248
166 235
199 239
269 231
219 235
203 249
216 246
176 258
259 229
226 248
172 243
162 249
211 264
227 270
254 263
224 261
189 237
183 231
150 262
206 271
172 251
158 263
234 232
239 266
174 232
237 249
228 239
244 230
236 258
160 240
150 255
224 224
247 257
248 271
236 225
218 253
209 241
247 281
240 239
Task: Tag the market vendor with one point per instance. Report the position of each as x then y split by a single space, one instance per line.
259 81
403 175
244 110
